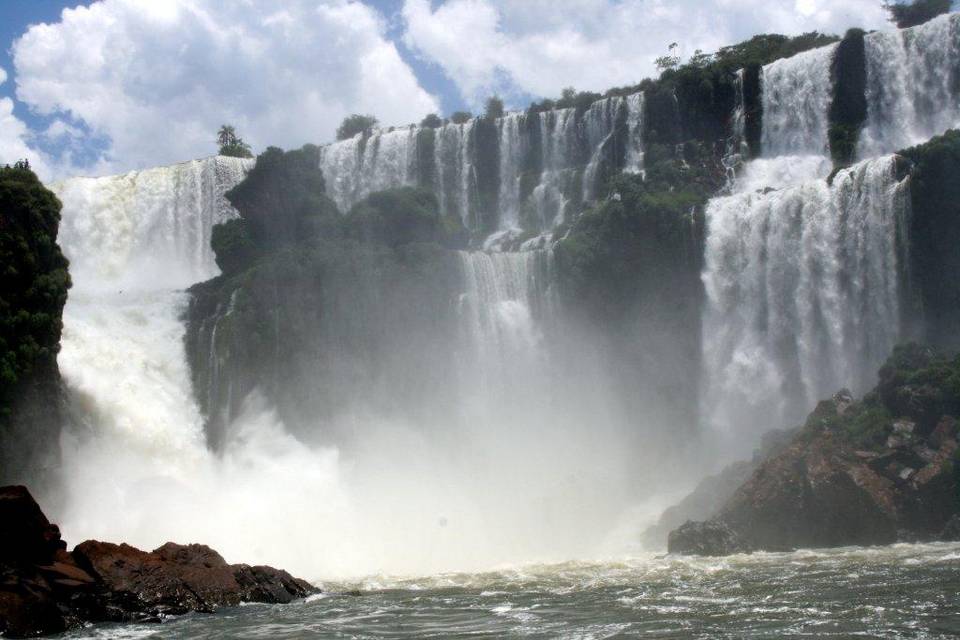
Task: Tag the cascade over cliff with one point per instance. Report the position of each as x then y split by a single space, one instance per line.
527 311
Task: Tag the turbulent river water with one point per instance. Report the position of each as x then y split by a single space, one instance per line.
901 591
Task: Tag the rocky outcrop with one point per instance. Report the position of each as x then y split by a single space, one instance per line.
714 491
876 471
713 538
951 532
44 589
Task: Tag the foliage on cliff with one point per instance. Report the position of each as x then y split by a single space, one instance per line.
35 280
231 144
934 234
283 198
645 226
911 14
354 124
400 216
917 386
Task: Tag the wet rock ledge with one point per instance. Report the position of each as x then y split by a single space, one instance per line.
46 589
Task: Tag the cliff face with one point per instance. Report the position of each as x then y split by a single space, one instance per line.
320 330
35 283
934 232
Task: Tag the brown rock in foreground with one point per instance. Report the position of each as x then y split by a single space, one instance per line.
44 589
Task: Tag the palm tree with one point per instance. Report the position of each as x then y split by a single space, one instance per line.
227 135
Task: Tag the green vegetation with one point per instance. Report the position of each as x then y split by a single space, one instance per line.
431 121
460 117
283 203
494 108
231 144
934 233
283 198
233 245
916 384
354 124
911 14
402 216
848 111
35 280
646 226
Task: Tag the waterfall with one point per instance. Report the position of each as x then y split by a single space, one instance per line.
456 179
134 242
148 228
802 294
796 99
563 161
600 128
736 148
559 146
357 167
636 103
504 294
513 151
913 77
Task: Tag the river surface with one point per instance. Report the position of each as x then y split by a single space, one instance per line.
900 591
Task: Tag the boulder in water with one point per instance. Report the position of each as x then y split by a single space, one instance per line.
951 532
710 538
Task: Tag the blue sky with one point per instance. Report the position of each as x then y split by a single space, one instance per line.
126 84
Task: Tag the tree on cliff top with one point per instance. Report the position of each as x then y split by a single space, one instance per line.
494 108
354 124
231 144
35 280
911 14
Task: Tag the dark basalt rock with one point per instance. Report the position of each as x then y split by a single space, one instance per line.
44 589
951 532
711 538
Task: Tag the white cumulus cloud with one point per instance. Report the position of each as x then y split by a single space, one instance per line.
156 79
14 135
541 46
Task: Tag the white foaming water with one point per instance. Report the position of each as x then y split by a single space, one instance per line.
802 294
514 145
503 482
558 136
355 168
636 103
455 177
912 81
796 100
569 153
599 124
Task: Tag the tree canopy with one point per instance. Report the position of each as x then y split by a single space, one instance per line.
35 280
494 108
911 14
231 144
354 124
460 117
